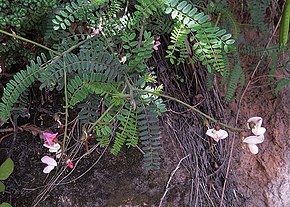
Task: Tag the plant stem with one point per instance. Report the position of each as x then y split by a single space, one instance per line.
30 41
192 108
100 118
66 107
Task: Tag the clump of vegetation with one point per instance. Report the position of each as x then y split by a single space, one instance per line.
97 54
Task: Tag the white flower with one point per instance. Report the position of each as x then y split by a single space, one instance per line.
252 142
255 123
217 134
51 164
52 148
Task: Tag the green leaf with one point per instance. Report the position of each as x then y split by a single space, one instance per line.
126 47
4 204
168 10
173 3
62 25
203 19
6 169
226 48
133 44
124 39
226 37
74 5
67 22
63 13
132 36
230 41
2 187
58 18
221 32
69 9
192 12
187 8
174 14
181 5
55 21
198 16
186 20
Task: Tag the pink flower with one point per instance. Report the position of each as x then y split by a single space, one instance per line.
255 124
51 164
217 134
156 43
49 138
95 31
252 142
69 163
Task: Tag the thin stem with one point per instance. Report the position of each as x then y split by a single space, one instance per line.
66 107
100 118
30 41
192 108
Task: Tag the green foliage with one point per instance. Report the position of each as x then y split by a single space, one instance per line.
137 52
128 129
104 55
24 14
6 169
234 78
20 17
2 187
284 25
15 87
209 42
259 51
230 21
89 110
178 40
149 134
258 10
281 84
77 12
4 204
104 130
91 71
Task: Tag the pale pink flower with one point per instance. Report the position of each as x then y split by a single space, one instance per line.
255 124
156 43
252 142
217 134
51 164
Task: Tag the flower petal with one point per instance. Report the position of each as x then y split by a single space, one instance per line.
254 139
49 135
253 148
70 163
256 120
53 148
157 43
47 169
217 134
222 134
259 130
211 133
49 161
